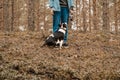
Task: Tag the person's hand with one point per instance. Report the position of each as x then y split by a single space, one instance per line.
72 9
51 11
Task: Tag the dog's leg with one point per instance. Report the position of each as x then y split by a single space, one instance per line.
61 43
58 41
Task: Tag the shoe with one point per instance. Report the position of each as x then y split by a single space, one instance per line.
65 45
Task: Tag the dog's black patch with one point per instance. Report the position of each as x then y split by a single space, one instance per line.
50 41
58 35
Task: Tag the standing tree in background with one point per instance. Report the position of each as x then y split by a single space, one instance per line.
37 15
8 14
119 12
115 16
90 15
105 15
84 17
1 16
95 15
12 17
76 11
6 22
34 14
44 14
31 15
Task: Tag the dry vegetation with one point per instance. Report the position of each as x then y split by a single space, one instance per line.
90 56
94 48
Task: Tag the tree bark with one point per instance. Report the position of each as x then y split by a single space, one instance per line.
90 15
95 15
115 16
12 17
31 16
84 17
105 15
6 22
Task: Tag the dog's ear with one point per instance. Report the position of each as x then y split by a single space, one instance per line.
64 25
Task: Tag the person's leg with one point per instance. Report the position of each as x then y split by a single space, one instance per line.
56 20
64 19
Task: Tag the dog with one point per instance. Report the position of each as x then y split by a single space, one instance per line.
57 38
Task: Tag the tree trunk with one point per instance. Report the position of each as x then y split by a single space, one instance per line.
37 15
105 15
118 13
6 22
31 16
84 17
12 17
77 13
115 16
95 15
90 15
44 15
1 13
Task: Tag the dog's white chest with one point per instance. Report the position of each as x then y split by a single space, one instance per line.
61 30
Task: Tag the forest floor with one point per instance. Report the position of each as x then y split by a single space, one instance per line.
90 56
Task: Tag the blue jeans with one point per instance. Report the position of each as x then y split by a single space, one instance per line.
61 17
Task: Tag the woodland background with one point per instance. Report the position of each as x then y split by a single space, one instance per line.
32 15
94 42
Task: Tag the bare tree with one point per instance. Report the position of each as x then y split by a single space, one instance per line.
6 15
95 15
84 17
1 13
90 15
77 12
12 17
31 16
105 15
115 16
37 15
44 14
118 13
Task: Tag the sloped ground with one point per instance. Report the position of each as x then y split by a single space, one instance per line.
90 56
